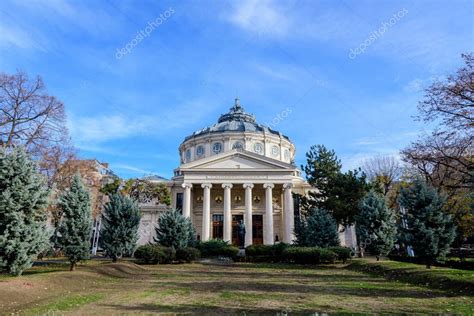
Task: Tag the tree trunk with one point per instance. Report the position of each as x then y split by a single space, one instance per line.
72 267
378 258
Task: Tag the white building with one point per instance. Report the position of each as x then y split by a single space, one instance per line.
237 170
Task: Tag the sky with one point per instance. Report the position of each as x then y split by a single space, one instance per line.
136 77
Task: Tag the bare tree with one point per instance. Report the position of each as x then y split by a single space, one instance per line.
32 118
452 100
29 115
383 171
445 158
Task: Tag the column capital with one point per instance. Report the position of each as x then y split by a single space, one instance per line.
248 185
287 186
227 185
187 185
206 185
268 185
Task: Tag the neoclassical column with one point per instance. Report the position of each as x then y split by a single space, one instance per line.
206 212
227 212
187 199
248 214
288 214
268 238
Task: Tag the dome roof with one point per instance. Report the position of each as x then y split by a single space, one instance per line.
236 120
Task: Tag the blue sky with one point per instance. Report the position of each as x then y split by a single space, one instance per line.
347 87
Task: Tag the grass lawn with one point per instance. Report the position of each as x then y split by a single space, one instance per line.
106 288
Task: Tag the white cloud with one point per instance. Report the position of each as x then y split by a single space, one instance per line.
261 17
99 129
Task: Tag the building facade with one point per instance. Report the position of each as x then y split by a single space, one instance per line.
238 170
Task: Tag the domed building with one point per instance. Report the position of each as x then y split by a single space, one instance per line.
238 170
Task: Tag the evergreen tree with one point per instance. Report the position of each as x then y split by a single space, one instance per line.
23 200
375 225
175 230
319 230
75 228
338 193
429 230
120 222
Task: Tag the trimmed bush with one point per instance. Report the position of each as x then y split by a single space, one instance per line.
308 255
343 253
150 254
265 253
153 254
217 247
187 254
258 250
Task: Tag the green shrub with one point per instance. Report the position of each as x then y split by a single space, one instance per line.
216 248
150 254
228 251
343 253
187 254
308 255
265 253
258 250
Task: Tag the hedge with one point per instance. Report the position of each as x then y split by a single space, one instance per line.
308 255
265 253
216 248
153 254
187 254
343 253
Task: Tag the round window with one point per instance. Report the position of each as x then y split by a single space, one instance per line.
258 148
238 145
200 151
217 148
275 151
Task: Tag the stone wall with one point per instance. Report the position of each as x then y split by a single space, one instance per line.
148 222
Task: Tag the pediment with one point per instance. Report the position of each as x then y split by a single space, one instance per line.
238 160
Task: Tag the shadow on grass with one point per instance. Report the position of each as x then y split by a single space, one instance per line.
205 309
334 288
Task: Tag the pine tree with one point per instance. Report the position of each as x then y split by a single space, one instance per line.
120 222
76 225
430 231
375 225
23 200
175 230
319 230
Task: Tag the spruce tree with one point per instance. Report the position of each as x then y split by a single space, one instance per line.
375 225
429 230
75 228
120 222
175 230
320 230
23 200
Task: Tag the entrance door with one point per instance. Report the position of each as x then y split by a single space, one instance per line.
235 226
217 226
257 229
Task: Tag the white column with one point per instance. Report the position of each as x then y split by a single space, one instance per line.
187 199
248 214
288 215
206 212
268 238
227 212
